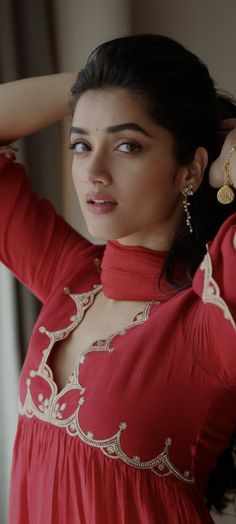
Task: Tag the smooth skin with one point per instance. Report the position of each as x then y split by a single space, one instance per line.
137 168
28 105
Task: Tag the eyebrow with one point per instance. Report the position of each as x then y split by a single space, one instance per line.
114 129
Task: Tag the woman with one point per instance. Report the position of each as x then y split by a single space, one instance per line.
127 393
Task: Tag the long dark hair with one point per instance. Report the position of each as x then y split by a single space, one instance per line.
178 93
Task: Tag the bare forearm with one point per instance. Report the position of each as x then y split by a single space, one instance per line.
30 104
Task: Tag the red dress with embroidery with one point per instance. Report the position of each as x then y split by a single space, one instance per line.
134 433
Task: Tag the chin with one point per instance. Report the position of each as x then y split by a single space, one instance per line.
101 235
105 235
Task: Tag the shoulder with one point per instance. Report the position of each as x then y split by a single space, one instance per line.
213 326
215 279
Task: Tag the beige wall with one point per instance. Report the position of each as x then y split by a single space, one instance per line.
206 27
81 26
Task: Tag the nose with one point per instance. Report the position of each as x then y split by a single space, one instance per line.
95 169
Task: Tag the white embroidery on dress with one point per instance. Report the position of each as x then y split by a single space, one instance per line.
8 151
234 241
211 290
51 409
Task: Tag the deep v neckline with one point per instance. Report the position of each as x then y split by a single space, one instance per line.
83 302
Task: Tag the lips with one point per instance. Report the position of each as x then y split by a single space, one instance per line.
99 198
100 203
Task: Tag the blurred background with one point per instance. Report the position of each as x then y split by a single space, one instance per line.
48 36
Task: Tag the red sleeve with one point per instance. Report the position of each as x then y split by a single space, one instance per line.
36 244
214 319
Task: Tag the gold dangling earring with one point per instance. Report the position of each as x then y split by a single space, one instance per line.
225 195
187 191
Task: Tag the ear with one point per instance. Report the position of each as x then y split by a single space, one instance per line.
193 173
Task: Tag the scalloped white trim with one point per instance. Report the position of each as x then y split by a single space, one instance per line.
51 409
8 151
234 241
211 290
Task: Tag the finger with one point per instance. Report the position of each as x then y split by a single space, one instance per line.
228 124
223 133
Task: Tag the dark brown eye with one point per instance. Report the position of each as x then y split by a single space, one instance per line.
129 147
79 147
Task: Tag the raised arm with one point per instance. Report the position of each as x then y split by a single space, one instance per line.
36 244
33 103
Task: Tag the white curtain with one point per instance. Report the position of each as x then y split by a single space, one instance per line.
9 373
9 349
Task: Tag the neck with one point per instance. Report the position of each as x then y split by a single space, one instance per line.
134 273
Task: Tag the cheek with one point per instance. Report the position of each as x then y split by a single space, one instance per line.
153 194
155 186
74 171
77 186
75 176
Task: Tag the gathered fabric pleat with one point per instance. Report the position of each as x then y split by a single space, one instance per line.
68 481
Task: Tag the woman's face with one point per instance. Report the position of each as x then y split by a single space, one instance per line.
124 170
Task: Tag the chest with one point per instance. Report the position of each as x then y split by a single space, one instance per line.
139 346
128 386
99 322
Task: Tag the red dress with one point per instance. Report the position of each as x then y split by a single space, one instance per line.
134 433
